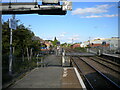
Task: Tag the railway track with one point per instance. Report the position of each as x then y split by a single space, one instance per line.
105 68
107 60
94 78
111 58
109 64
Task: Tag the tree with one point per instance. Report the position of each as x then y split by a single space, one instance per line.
55 41
23 46
5 38
22 40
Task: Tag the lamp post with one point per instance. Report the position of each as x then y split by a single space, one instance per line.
12 25
10 57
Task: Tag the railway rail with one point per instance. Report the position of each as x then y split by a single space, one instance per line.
111 57
111 72
106 60
97 71
109 64
95 78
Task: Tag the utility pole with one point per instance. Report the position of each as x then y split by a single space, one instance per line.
72 40
89 44
10 57
12 25
89 41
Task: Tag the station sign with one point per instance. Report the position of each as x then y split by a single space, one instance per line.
50 1
12 23
67 5
58 43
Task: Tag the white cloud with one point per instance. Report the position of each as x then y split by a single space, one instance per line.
73 38
62 34
105 6
99 16
113 15
93 10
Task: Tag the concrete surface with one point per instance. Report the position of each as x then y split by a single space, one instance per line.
48 77
69 79
53 60
51 76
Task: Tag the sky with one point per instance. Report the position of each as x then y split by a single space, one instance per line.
67 0
86 20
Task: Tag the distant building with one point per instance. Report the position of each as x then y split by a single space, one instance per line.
48 44
75 45
109 43
45 44
95 45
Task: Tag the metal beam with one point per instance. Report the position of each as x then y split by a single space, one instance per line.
32 8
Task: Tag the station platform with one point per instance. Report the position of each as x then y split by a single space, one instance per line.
51 76
80 54
71 79
112 55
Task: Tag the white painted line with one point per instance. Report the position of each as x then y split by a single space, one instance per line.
64 72
68 68
80 79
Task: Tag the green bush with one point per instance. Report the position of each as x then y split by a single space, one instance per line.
81 49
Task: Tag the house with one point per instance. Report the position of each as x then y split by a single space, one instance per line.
98 45
110 44
75 45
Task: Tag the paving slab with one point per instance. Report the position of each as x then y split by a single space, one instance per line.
53 60
47 77
50 77
70 79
